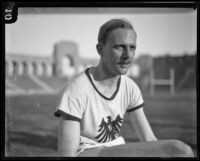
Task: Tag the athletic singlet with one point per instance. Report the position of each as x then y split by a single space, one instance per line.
100 117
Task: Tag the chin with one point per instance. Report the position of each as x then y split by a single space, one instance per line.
123 71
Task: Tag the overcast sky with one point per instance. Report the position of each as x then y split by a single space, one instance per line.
158 34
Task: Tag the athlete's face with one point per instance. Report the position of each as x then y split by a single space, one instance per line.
118 51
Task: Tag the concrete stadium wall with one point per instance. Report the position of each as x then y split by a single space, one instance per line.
66 58
17 64
64 53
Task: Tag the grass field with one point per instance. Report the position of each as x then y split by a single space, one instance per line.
32 127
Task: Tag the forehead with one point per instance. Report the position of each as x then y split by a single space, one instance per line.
121 35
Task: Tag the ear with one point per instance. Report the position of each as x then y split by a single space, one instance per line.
99 48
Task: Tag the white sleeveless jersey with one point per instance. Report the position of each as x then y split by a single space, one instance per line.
100 117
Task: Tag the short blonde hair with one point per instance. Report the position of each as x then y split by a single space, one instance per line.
110 25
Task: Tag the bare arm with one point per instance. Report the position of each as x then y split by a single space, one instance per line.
69 137
141 125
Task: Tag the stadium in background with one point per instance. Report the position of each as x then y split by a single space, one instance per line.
28 75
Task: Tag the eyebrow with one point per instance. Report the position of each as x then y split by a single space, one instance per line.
134 46
122 45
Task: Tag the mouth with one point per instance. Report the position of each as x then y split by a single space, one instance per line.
124 64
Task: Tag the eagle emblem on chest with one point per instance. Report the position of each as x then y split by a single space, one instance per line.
109 130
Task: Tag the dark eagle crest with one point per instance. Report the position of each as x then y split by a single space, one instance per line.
109 130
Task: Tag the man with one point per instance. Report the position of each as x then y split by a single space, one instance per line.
94 102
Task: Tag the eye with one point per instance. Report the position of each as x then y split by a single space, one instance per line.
132 48
119 47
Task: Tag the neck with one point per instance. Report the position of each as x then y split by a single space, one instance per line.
101 73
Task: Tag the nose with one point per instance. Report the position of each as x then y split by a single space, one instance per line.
126 53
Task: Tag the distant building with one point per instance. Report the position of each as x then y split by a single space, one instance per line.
17 64
66 58
64 62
